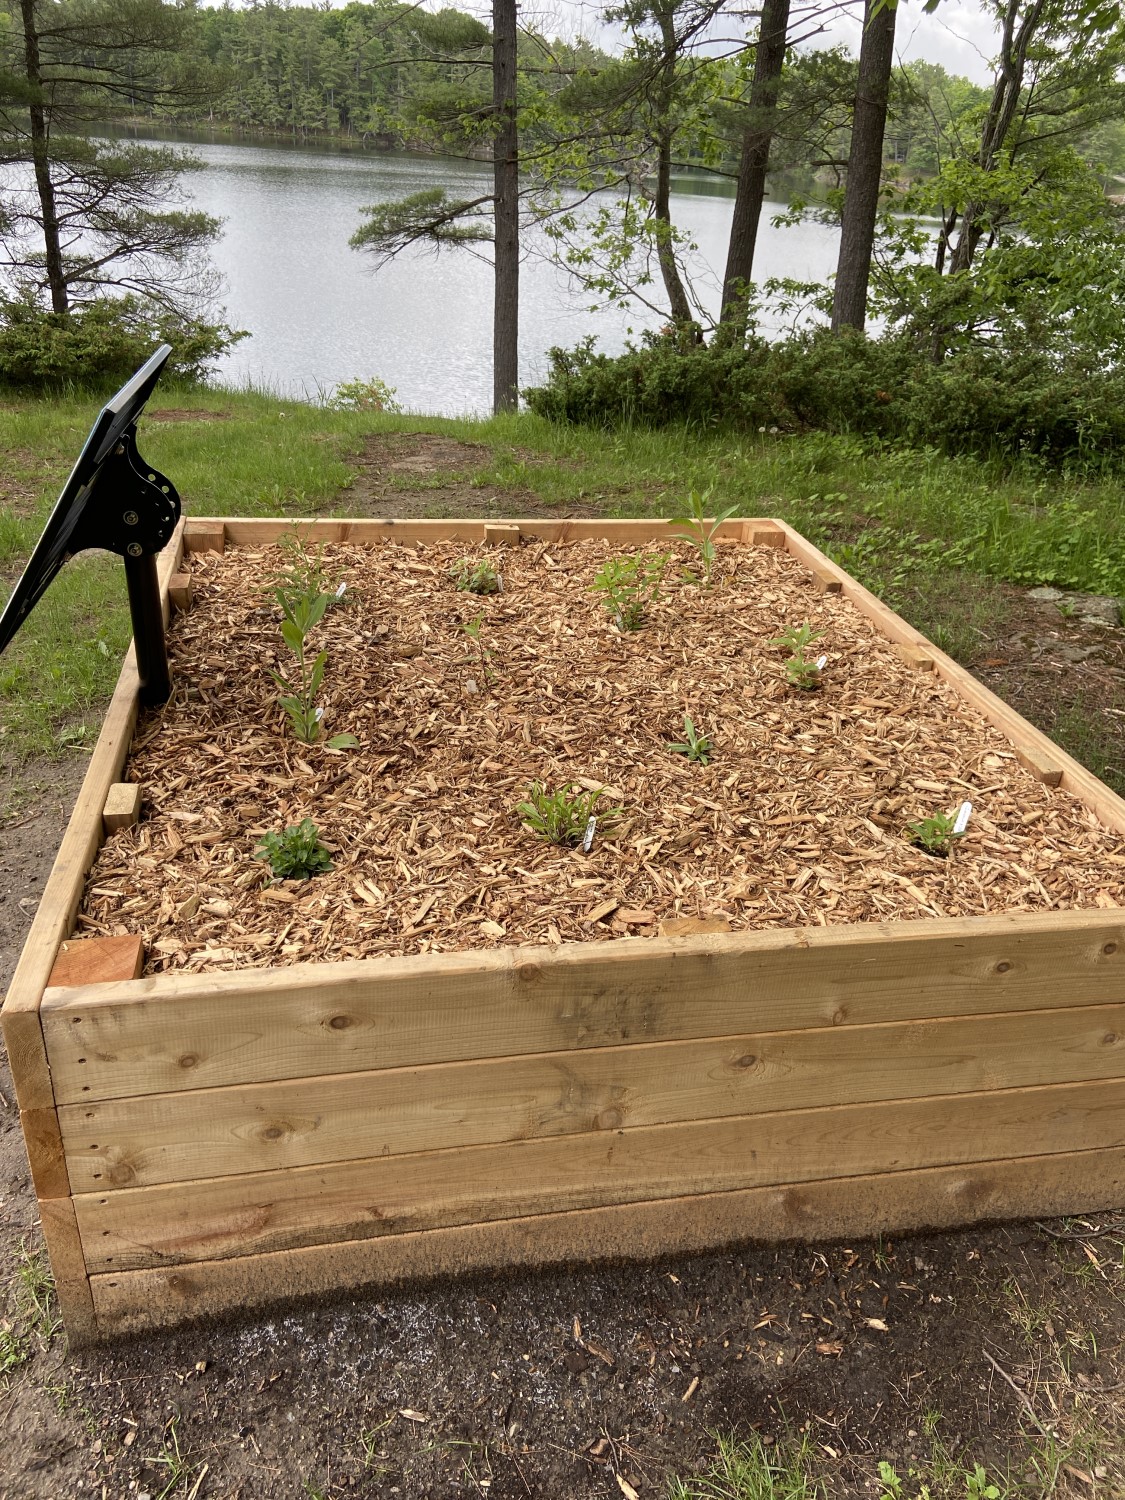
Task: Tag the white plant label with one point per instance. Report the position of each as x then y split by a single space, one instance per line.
588 836
821 663
962 821
319 715
341 591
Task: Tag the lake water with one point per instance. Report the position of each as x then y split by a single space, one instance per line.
318 315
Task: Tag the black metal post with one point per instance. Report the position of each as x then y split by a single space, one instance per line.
148 629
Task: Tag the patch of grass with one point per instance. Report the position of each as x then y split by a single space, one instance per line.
752 1470
31 1319
1083 731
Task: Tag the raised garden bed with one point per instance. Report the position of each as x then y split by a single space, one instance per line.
755 1009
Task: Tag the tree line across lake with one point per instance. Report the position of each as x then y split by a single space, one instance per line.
979 226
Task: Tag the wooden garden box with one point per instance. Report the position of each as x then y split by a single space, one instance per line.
380 1116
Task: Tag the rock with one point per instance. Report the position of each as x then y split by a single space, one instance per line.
1091 609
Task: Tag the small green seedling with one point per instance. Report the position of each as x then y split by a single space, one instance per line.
799 670
631 586
701 532
295 854
561 817
935 834
301 591
694 745
476 576
485 655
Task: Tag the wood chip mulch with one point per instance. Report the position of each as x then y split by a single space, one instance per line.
799 818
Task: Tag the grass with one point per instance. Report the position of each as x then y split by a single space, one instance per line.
934 536
30 1321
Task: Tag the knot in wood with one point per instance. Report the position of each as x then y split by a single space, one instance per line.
1003 967
528 973
188 1060
1110 1038
747 1060
339 1023
1110 948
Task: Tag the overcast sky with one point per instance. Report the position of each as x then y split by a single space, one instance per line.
961 34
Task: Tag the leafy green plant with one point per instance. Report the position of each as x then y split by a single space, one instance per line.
799 670
701 532
630 587
935 834
372 394
302 591
694 745
295 854
561 816
476 576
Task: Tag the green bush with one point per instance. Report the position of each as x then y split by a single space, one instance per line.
101 343
981 402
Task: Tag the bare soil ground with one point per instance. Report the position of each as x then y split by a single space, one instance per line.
1004 1347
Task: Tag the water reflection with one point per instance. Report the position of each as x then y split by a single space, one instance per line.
319 316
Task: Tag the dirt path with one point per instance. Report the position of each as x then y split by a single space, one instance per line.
1001 1347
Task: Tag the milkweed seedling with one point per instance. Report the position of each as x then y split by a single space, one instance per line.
630 587
475 576
295 854
935 834
560 817
701 532
694 745
800 672
301 590
472 629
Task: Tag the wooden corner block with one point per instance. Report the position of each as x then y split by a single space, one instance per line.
827 583
916 657
122 806
1041 766
46 1155
767 536
98 960
501 534
204 536
689 926
179 591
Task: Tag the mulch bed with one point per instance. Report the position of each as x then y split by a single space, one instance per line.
799 818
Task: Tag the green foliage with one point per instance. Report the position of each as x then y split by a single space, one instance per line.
630 586
934 834
102 343
296 853
476 576
371 394
430 218
694 745
982 401
560 817
701 533
799 670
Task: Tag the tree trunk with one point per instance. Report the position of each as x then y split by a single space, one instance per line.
1001 112
678 304
865 167
753 161
505 177
40 160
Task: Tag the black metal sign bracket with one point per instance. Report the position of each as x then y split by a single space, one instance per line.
136 515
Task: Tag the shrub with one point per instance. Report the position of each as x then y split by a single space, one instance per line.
981 402
102 343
